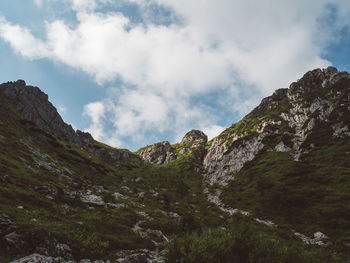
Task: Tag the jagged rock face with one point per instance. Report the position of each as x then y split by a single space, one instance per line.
311 101
33 104
221 163
158 153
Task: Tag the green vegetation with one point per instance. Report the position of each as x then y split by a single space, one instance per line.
253 122
309 195
43 179
245 241
44 175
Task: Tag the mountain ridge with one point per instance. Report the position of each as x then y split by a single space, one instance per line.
286 161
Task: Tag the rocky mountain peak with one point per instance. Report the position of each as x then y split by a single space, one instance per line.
34 105
194 141
195 136
285 122
158 153
318 78
162 152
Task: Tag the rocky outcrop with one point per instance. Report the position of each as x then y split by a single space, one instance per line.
318 239
193 139
158 153
163 152
34 105
307 103
221 162
310 105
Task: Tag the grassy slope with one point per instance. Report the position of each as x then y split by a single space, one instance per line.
310 195
22 145
96 232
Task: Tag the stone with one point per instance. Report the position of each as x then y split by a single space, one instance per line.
281 147
64 251
319 235
92 199
37 258
118 196
117 206
139 180
139 256
319 239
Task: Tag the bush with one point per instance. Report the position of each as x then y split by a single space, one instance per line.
244 243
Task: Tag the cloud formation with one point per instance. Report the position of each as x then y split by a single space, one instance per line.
38 2
95 111
242 49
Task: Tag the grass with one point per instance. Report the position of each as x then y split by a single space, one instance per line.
310 195
245 241
30 158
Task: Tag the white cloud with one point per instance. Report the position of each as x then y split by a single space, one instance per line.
81 5
243 49
38 2
61 109
22 40
213 131
96 112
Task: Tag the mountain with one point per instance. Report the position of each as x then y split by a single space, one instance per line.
274 187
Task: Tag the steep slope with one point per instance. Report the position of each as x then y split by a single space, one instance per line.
288 160
65 196
284 119
34 106
60 197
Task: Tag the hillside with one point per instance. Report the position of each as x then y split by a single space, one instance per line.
258 192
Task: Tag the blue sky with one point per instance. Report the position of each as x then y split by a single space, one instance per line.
134 72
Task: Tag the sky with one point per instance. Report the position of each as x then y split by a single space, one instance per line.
135 72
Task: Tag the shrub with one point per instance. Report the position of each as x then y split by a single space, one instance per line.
243 243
